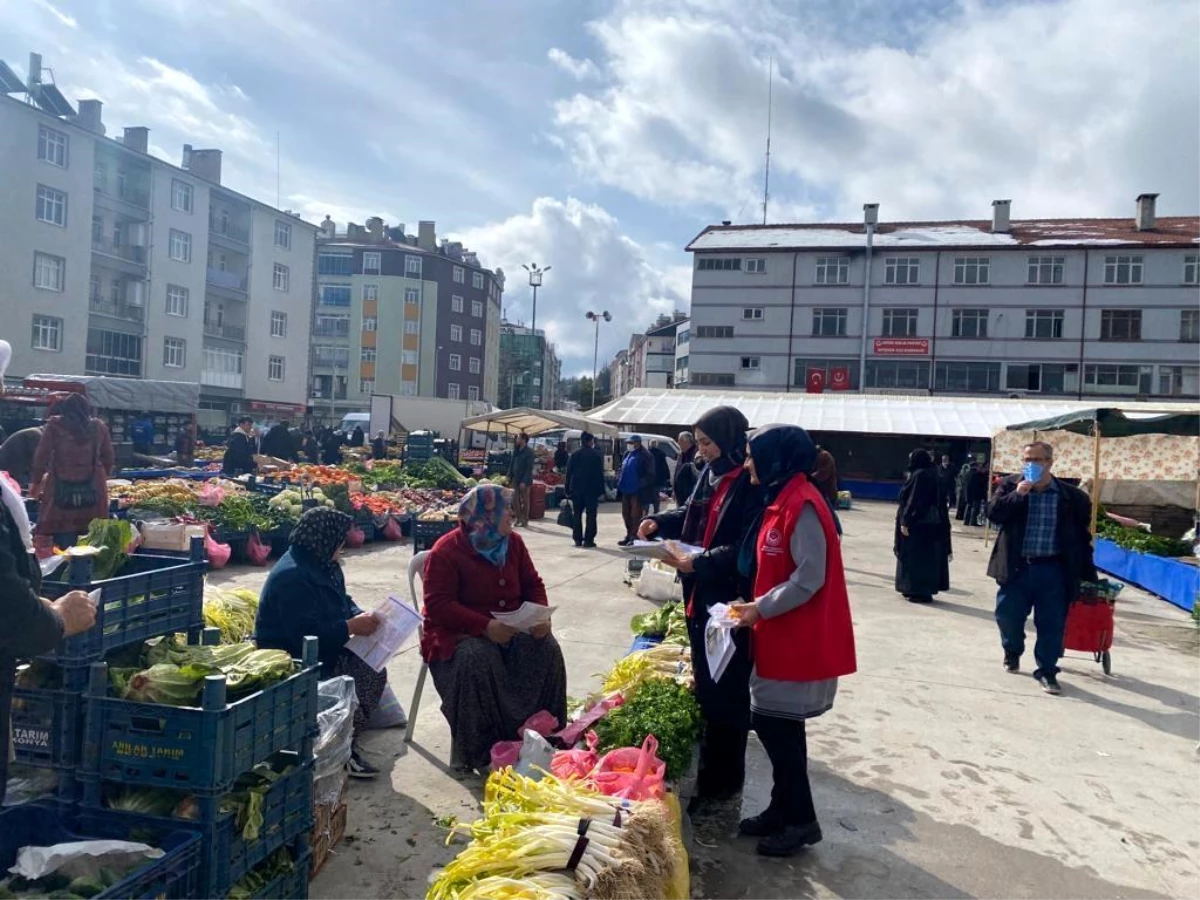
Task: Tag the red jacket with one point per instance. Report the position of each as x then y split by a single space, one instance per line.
462 590
815 640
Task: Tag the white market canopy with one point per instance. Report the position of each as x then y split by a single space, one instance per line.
526 420
934 417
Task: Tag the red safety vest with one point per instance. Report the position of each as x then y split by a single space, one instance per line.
815 641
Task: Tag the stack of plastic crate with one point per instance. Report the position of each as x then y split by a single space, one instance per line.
419 447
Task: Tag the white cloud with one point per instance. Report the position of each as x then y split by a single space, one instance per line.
62 17
579 69
595 266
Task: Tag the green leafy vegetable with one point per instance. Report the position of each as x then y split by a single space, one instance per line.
278 863
112 536
660 707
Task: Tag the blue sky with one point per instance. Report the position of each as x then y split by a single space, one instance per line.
599 136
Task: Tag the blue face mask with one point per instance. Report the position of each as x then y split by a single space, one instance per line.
1033 472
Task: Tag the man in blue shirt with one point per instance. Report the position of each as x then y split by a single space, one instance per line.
634 485
1043 552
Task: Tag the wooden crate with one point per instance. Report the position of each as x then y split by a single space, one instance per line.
323 842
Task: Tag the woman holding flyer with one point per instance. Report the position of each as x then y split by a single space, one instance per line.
490 676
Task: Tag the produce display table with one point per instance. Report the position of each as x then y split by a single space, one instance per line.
1175 581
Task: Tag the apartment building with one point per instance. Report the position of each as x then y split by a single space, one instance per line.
522 381
650 359
115 262
1103 308
399 313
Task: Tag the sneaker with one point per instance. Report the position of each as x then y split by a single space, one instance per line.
358 767
764 824
1048 682
790 841
625 543
1012 662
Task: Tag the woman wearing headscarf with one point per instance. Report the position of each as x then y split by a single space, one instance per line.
800 616
490 677
715 517
922 538
305 594
70 471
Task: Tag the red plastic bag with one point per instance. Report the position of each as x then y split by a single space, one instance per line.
543 722
256 551
632 774
505 754
218 554
576 764
391 531
572 733
355 538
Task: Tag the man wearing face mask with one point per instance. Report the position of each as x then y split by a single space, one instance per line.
1043 552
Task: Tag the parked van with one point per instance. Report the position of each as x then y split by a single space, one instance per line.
351 419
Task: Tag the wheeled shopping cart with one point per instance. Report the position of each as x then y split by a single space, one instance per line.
1090 622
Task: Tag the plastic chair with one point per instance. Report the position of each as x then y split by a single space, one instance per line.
416 568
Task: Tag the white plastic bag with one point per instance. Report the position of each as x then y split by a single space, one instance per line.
718 639
336 704
658 583
536 756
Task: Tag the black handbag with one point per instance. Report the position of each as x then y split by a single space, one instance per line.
78 494
566 514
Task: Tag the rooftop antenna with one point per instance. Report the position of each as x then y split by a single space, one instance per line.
767 171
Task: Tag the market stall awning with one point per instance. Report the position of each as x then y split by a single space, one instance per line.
526 420
1116 423
134 394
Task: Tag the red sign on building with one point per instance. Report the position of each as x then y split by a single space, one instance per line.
901 346
839 378
815 381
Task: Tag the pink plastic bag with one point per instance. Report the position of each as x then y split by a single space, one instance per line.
544 723
576 764
256 551
218 554
211 495
505 754
391 531
572 733
632 774
355 538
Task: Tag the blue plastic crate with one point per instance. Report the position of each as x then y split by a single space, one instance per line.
47 723
200 748
175 876
642 642
291 885
225 855
426 534
153 595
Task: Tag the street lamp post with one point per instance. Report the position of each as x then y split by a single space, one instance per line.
535 282
596 317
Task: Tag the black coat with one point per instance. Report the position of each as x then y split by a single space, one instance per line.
239 454
277 442
977 484
357 437
331 450
662 469
686 474
585 475
1009 510
922 558
947 481
716 580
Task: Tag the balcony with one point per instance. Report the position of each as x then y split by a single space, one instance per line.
129 258
226 331
228 282
228 380
126 312
126 194
229 232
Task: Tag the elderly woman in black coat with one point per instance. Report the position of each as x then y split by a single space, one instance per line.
922 540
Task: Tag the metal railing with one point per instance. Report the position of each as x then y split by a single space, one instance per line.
222 330
127 252
131 195
234 232
118 310
230 281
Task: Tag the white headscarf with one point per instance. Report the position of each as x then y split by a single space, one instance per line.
10 493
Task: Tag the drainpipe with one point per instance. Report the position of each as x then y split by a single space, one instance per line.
1083 320
937 280
787 378
870 218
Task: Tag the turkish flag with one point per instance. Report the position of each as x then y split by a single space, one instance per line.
839 378
815 382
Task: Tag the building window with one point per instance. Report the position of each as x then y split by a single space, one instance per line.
370 323
1046 269
476 337
1122 270
477 280
283 235
335 264
94 292
281 278
328 355
174 353
368 354
752 313
900 322
452 390
412 327
832 270
751 363
52 146
829 321
474 365
180 246
456 333
756 266
473 392
409 357
181 195
969 323
711 379
1120 324
477 309
275 368
1189 326
331 326
1135 379
177 301
366 385
972 270
897 374
372 263
408 388
717 264
412 295
49 272
1191 269
278 324
460 276
335 295
1049 378
51 206
1044 323
1179 381
412 266
113 353
456 303
714 331
902 270
370 293
455 362
976 377
47 333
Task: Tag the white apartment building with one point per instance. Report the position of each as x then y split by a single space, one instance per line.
1103 308
114 262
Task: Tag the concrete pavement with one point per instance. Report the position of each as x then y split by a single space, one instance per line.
937 774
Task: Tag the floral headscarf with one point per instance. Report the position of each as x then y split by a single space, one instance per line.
481 513
319 534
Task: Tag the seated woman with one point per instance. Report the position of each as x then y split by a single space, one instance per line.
490 677
305 594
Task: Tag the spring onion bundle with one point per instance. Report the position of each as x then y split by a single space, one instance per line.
537 887
233 612
663 661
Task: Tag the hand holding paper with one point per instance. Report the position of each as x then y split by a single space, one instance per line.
526 617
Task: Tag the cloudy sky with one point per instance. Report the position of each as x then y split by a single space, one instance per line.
599 136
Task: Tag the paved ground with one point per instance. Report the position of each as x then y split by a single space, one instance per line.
936 775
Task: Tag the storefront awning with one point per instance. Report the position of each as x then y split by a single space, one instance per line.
526 420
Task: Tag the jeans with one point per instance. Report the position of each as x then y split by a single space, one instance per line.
631 512
1042 588
579 506
787 748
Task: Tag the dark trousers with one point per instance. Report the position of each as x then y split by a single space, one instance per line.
974 512
1042 588
631 511
787 748
579 507
722 761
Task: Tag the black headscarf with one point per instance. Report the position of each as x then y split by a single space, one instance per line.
726 427
319 534
780 453
919 459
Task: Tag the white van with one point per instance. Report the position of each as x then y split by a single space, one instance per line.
351 419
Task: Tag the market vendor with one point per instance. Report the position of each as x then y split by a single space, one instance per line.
490 677
239 450
305 594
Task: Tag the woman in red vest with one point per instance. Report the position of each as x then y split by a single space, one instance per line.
803 639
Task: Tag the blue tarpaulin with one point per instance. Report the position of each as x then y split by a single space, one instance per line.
1176 582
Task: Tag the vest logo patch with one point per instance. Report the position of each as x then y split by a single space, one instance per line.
772 542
